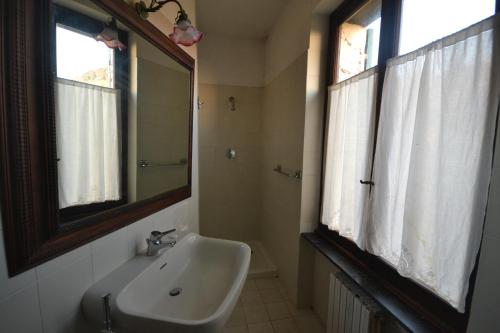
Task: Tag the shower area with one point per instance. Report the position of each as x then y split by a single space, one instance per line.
260 133
230 145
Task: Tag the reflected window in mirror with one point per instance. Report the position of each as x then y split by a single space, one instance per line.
91 92
83 59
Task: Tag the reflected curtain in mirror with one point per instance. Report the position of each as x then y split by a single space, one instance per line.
88 146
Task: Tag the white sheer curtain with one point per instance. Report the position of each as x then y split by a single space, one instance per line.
433 161
348 154
88 147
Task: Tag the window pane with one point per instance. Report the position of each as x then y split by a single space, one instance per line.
359 41
424 21
81 58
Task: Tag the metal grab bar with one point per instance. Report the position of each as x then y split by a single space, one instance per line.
145 164
297 174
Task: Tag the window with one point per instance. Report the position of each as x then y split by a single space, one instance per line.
97 69
417 126
91 101
424 21
349 146
359 41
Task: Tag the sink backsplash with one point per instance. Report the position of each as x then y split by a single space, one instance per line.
49 295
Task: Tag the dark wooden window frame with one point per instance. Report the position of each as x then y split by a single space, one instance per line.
89 26
33 232
439 314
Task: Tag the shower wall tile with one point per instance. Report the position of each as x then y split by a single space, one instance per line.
313 151
229 189
314 123
283 135
311 190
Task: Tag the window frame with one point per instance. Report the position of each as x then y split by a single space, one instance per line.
426 304
79 22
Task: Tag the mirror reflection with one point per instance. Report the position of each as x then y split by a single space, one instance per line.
122 112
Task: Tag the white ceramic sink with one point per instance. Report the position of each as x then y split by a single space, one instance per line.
211 273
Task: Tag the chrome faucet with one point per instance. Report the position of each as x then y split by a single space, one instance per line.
155 242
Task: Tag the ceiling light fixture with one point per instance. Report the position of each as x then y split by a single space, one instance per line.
184 32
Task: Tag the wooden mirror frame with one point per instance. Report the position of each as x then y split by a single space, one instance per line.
28 174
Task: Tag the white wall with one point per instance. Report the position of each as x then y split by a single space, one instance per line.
229 189
283 135
231 61
313 126
47 297
285 117
289 38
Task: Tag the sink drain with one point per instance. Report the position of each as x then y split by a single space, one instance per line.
175 291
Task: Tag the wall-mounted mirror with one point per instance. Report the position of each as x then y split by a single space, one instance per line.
103 123
122 113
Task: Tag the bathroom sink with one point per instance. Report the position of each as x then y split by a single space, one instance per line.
192 287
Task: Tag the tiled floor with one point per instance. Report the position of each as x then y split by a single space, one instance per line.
264 307
260 264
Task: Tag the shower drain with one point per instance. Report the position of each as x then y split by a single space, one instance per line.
175 291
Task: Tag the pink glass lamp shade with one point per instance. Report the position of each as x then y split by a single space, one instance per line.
109 36
185 33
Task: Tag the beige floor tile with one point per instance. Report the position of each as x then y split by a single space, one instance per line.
260 328
285 326
309 324
284 293
237 318
256 314
236 329
239 304
278 284
270 296
267 283
278 311
249 286
299 312
251 298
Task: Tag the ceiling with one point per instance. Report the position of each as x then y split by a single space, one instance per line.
238 18
326 6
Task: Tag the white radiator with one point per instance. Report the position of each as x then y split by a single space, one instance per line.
350 310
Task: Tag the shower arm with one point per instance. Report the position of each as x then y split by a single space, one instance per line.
232 100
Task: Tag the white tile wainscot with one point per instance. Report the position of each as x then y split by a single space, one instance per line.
47 298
